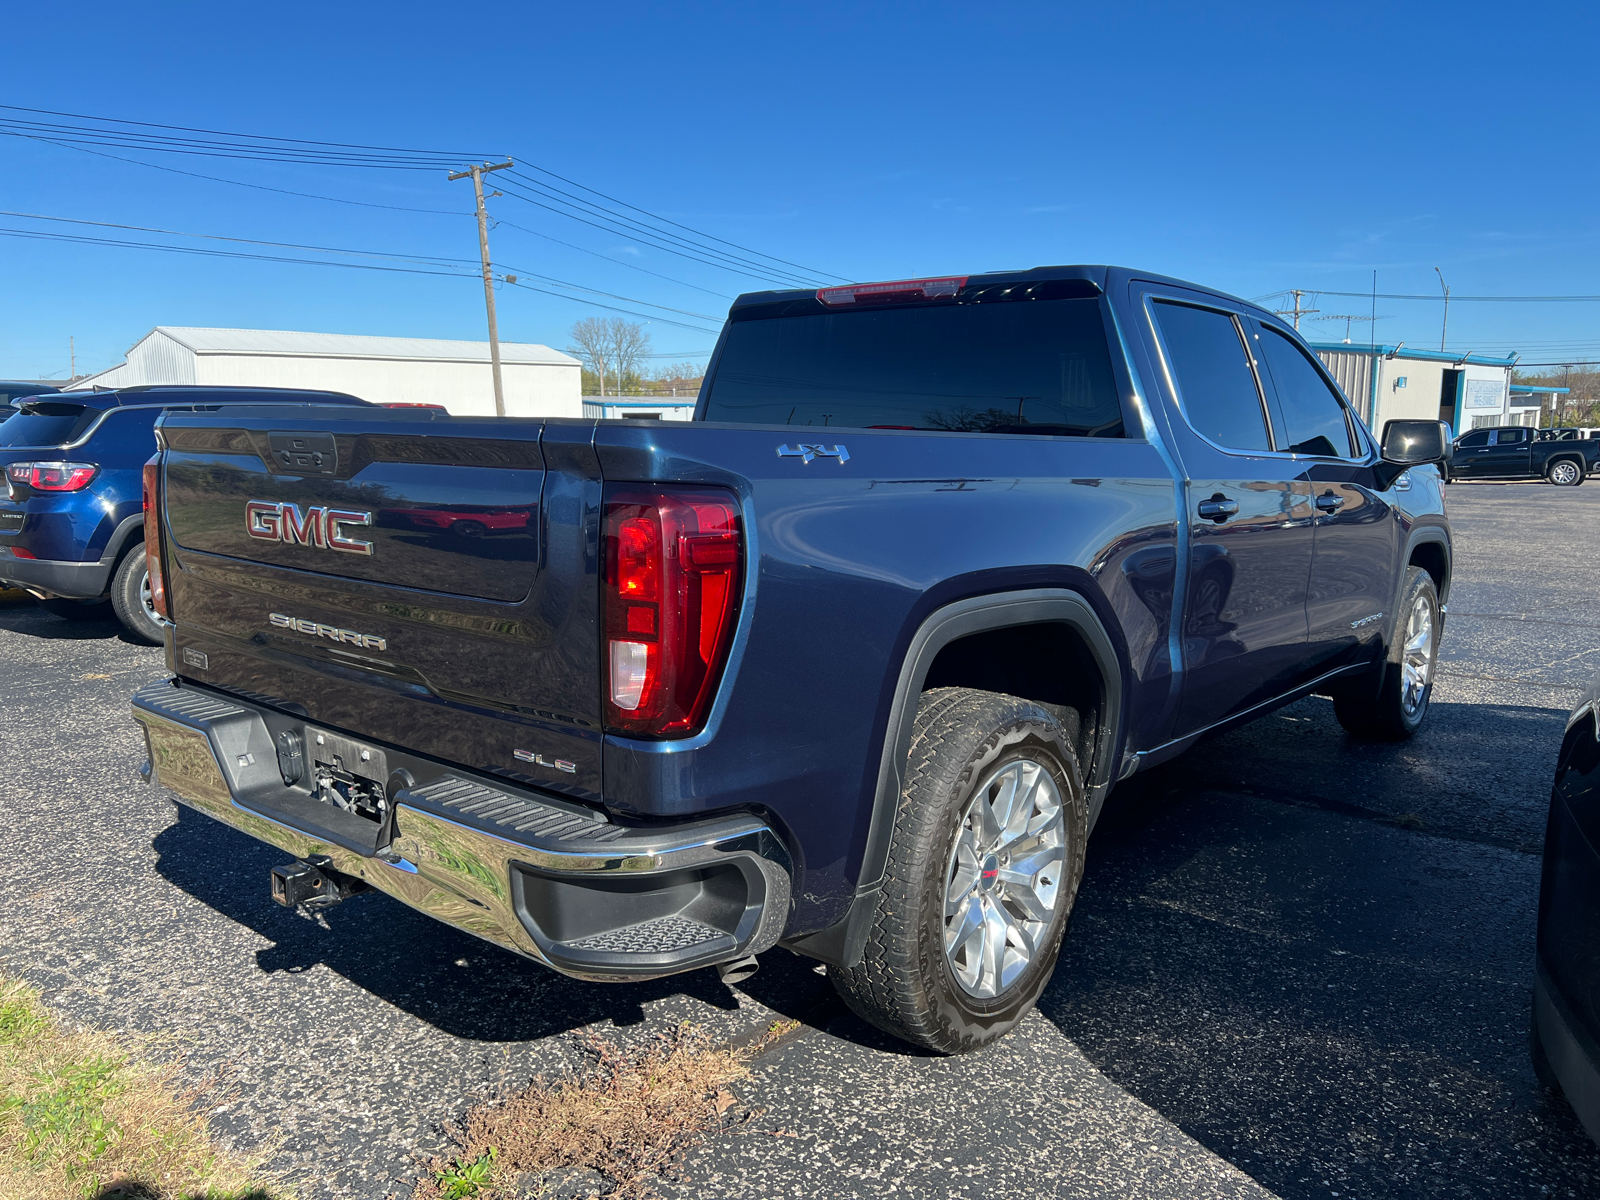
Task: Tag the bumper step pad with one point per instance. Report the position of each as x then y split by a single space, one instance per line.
664 935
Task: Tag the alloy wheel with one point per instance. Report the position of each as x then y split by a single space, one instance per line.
1563 473
1416 658
1003 877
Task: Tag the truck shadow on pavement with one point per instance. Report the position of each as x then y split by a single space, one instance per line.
30 620
1331 991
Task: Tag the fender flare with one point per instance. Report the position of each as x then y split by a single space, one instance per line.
1420 535
844 943
128 530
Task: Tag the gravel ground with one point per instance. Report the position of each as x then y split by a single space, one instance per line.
1298 966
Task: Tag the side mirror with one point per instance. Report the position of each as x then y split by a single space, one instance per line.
1411 444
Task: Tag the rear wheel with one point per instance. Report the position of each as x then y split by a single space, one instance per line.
132 601
983 868
1565 473
1404 686
77 610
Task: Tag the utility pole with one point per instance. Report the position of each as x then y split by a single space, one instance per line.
1443 328
1297 312
477 173
72 358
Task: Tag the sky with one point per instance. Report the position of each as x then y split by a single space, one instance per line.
1252 148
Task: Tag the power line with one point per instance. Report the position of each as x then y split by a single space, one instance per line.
189 129
81 239
1454 297
261 187
631 266
428 259
121 133
632 229
634 236
669 221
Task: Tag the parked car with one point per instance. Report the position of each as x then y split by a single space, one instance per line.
13 390
850 663
1513 452
1566 985
72 516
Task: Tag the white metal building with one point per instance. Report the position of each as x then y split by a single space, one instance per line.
1386 382
538 381
640 408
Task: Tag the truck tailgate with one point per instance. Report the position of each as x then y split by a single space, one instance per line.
394 573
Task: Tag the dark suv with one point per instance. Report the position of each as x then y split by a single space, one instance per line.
72 516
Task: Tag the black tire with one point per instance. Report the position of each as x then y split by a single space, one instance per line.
907 983
77 610
1564 472
1388 712
129 591
1542 1070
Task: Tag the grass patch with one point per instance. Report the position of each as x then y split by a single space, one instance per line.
629 1117
82 1116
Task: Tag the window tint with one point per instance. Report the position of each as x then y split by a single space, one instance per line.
1508 437
46 424
1215 383
1479 437
1312 414
979 365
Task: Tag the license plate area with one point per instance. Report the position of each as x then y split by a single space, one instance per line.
348 774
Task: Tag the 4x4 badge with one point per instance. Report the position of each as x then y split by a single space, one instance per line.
807 451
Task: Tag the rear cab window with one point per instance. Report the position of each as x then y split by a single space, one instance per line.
1024 358
1216 386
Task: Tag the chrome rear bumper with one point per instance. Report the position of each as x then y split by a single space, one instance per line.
539 876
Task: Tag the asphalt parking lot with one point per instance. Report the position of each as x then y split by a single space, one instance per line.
1299 966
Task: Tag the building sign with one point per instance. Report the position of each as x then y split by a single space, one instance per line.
1485 393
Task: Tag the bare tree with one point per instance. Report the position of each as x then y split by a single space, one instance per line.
610 346
590 343
628 342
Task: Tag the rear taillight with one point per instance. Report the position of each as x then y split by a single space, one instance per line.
672 593
152 536
52 476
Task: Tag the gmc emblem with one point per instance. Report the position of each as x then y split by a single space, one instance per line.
320 527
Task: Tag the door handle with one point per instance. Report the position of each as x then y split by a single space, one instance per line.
1328 502
1219 508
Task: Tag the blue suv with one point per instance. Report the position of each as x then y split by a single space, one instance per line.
72 515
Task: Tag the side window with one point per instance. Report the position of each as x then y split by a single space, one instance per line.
1216 386
1312 413
1508 437
1475 439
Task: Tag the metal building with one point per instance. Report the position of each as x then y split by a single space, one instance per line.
640 408
538 381
1386 382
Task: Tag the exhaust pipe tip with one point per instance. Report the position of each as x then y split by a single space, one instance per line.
738 970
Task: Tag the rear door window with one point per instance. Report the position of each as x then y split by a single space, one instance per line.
1014 361
1509 437
1313 415
47 423
1216 387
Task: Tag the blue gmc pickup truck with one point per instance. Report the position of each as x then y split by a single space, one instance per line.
849 664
